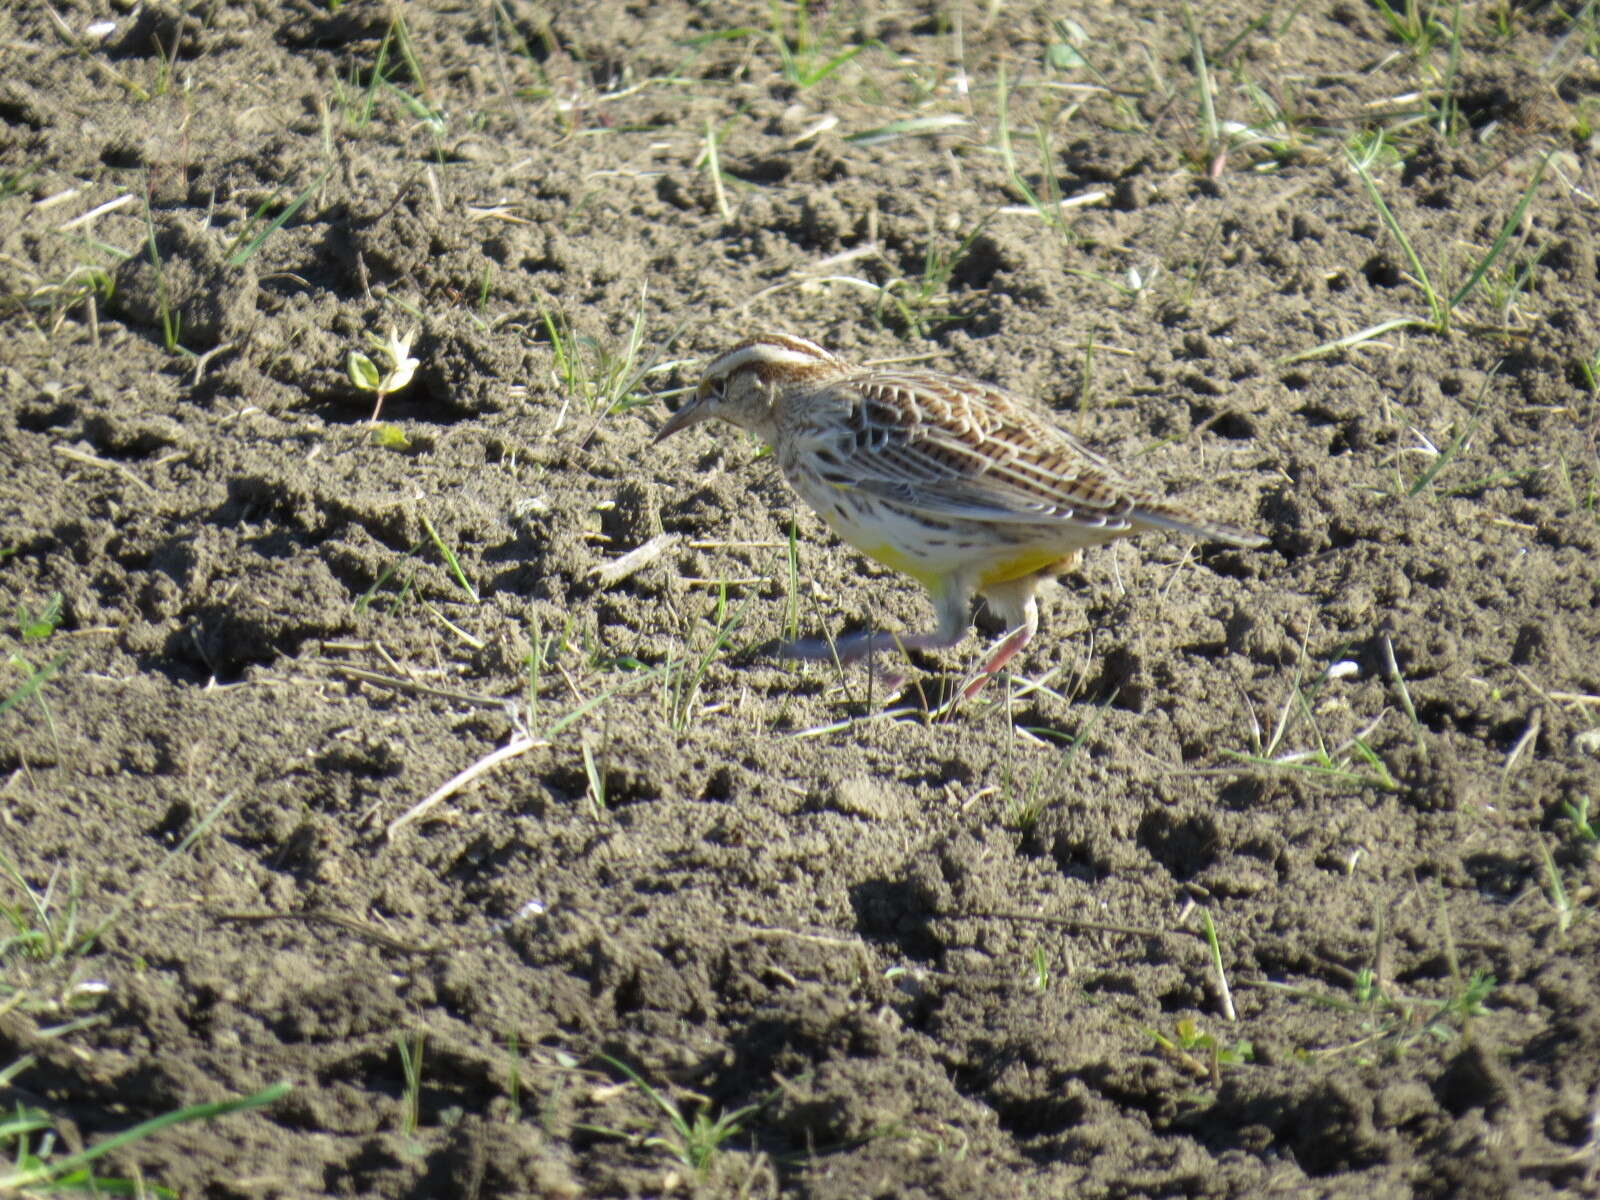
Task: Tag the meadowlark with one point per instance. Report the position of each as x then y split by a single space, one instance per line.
966 488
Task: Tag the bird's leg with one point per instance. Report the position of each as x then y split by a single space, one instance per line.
1006 648
952 604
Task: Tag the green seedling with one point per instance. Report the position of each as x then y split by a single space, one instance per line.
1589 368
713 166
1047 206
35 678
38 626
1353 764
681 680
923 304
1394 1021
250 238
1440 459
1420 30
1556 892
1213 147
1578 814
1442 302
84 285
1039 969
410 1051
693 1141
449 556
1027 808
34 1169
1214 945
602 378
394 376
596 792
1190 1043
360 102
801 56
41 925
171 318
34 628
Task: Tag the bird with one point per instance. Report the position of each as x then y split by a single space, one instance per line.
968 489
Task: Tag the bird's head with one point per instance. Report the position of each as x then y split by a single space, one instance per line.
741 384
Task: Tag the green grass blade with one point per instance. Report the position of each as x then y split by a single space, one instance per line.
34 682
450 559
1439 311
246 252
1514 220
61 1167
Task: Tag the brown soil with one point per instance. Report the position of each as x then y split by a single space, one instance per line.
936 953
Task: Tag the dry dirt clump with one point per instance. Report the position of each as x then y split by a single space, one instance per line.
1265 873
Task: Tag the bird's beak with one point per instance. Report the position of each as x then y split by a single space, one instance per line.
692 413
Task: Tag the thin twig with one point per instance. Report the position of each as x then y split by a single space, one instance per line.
455 783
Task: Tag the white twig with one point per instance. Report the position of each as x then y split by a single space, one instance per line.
456 782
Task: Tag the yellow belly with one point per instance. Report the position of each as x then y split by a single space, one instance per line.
1023 562
897 559
886 537
1016 566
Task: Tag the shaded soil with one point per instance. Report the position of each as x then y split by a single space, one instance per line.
956 957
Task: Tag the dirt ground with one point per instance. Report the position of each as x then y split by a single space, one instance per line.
893 951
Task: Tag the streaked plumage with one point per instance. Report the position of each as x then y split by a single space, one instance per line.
964 487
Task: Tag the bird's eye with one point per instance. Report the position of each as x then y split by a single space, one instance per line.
709 389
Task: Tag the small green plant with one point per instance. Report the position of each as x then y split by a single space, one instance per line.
171 318
543 651
450 559
713 165
1364 987
693 1141
1352 764
257 229
1409 24
603 379
1046 206
1578 813
38 626
1039 969
1190 1041
681 680
396 374
39 925
802 57
1213 146
1442 303
14 183
1556 892
1589 368
1463 1004
32 1168
33 628
410 1051
88 286
1398 1022
360 102
924 303
1028 806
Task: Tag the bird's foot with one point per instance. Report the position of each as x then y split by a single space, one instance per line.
1007 649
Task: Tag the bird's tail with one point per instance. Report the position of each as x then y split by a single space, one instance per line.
1178 521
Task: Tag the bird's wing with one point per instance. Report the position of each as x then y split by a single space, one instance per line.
962 451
